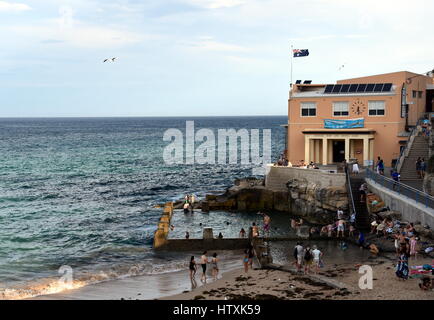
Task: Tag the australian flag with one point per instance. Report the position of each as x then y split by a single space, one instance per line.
300 53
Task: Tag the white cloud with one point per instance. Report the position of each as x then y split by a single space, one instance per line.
13 7
217 4
209 44
66 30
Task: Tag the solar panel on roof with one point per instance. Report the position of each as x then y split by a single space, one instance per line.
337 88
353 88
378 87
370 87
345 88
328 88
387 87
361 88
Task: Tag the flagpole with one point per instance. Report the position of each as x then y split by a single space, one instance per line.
292 57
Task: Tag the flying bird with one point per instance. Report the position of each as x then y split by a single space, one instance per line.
341 67
110 59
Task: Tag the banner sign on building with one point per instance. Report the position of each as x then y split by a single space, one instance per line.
344 124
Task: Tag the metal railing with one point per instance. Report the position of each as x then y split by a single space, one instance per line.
349 190
414 132
401 189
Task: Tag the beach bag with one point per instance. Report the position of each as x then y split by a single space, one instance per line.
321 264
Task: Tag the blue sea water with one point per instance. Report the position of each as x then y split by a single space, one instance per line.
81 192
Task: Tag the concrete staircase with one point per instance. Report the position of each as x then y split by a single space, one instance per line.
363 222
419 148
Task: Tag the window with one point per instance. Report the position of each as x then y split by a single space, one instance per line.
340 109
414 94
308 109
420 94
376 108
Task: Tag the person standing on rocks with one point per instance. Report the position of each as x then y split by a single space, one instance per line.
317 255
308 258
298 253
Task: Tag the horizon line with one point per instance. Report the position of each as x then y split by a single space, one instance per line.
87 117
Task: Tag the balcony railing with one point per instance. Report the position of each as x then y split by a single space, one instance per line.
401 189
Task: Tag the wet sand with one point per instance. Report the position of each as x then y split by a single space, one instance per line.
334 282
145 287
276 284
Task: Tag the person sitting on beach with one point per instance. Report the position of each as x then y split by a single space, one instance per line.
203 262
242 233
426 283
317 255
192 268
220 236
373 249
187 235
381 229
215 269
374 225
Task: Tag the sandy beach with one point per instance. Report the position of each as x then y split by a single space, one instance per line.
275 284
335 282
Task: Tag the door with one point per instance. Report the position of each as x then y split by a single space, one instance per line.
338 151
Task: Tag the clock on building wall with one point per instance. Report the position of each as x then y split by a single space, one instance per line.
358 107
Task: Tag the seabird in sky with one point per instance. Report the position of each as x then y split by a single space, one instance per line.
110 59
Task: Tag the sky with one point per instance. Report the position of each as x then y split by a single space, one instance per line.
196 57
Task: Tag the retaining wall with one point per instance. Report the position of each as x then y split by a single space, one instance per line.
277 177
411 210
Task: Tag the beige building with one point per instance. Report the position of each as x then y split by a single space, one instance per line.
359 118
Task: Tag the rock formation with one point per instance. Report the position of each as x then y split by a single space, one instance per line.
316 204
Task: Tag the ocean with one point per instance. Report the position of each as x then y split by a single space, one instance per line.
81 192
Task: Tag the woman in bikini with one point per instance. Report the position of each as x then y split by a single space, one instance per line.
215 269
193 268
246 260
